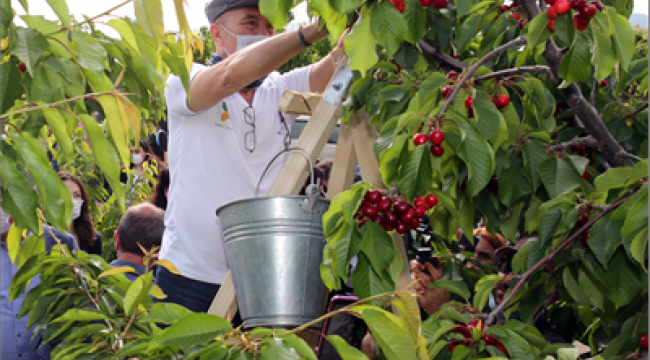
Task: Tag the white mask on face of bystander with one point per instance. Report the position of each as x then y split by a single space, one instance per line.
76 208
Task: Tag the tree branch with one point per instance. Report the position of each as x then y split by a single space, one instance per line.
610 148
587 141
438 55
537 69
637 111
468 75
551 255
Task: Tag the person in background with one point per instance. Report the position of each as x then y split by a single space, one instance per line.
16 339
159 196
325 167
82 227
158 143
143 225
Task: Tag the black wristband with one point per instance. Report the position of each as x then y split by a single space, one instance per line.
301 38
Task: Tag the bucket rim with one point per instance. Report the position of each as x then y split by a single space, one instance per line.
250 199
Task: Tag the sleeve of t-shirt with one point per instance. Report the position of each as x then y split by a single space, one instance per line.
175 93
297 79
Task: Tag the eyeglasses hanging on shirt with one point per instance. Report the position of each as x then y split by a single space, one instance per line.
249 137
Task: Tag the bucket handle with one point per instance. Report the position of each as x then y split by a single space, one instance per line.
312 189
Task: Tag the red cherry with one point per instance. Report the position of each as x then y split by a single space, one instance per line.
432 200
580 148
388 227
500 346
401 207
452 346
390 218
493 99
384 204
408 217
514 16
588 11
437 150
401 7
577 4
373 196
586 175
550 12
503 101
402 228
420 211
551 25
603 83
414 224
599 5
452 75
426 3
643 180
456 56
369 211
463 330
470 113
489 339
440 4
550 2
582 220
584 237
420 202
378 219
644 340
447 90
521 23
22 67
578 22
468 102
581 20
561 7
420 139
437 137
503 8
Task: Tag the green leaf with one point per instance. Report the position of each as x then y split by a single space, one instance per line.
81 315
466 32
388 27
538 31
20 199
416 21
488 117
573 287
345 7
29 46
623 36
550 222
534 154
623 280
276 11
638 247
276 348
483 289
345 350
116 127
603 57
150 16
637 217
559 176
378 246
573 67
620 177
300 346
10 85
391 158
513 184
60 8
194 329
166 313
366 282
137 292
58 125
175 59
479 157
336 23
416 172
360 44
389 333
457 287
33 245
92 55
463 7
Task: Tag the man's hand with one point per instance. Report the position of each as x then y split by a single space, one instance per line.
429 299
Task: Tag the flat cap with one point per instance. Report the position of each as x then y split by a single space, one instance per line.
214 8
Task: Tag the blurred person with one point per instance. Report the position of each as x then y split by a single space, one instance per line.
325 167
159 196
82 227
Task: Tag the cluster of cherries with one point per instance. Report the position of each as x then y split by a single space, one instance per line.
466 331
438 4
437 137
500 102
582 16
513 15
393 212
582 150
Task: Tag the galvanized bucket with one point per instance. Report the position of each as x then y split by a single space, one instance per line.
274 246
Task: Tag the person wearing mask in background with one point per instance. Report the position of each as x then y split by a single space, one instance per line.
16 338
159 196
158 143
82 227
143 225
224 133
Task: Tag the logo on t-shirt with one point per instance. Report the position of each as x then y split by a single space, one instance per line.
225 118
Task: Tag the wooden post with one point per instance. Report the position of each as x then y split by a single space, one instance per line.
345 164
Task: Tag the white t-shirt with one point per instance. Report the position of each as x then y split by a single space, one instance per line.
209 166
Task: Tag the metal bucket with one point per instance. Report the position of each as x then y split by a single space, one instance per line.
274 247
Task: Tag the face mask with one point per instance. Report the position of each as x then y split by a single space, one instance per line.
5 225
138 159
244 40
76 208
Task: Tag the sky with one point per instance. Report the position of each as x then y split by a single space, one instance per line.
195 14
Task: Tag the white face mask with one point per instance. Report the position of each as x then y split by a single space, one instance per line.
138 159
5 225
244 40
76 208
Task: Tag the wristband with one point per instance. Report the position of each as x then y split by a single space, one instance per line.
301 38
